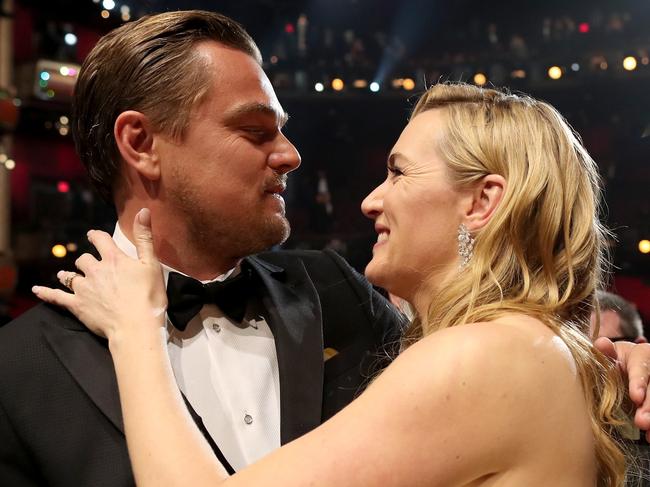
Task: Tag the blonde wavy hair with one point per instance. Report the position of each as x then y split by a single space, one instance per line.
542 253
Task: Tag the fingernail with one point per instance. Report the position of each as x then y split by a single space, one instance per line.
59 274
36 289
144 217
89 233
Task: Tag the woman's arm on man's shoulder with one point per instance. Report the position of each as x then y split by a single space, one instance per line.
453 408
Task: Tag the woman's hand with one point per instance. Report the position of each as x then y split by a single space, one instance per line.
634 362
117 295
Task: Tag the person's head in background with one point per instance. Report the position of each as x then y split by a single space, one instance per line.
619 319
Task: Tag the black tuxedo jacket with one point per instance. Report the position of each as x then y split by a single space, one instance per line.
60 418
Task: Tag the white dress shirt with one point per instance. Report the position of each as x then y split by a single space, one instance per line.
229 374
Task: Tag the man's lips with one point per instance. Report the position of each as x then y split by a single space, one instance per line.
274 192
276 188
276 185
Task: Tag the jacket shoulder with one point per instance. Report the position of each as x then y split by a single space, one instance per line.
347 298
324 267
22 339
30 321
23 327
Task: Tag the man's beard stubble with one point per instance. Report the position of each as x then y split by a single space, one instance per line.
225 237
237 240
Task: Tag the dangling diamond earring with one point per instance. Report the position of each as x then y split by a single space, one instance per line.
465 245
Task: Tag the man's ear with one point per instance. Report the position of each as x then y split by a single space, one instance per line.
135 141
486 196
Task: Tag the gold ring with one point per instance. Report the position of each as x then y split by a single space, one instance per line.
68 280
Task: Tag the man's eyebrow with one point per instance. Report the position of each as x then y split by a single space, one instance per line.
256 109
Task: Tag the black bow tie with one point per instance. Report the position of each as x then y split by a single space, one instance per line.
186 296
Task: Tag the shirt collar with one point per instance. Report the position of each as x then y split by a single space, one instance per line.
126 246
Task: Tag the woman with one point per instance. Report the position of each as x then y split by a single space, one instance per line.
487 224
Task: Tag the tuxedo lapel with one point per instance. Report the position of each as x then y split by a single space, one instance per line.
294 316
87 359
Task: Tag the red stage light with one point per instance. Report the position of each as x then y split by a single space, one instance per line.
63 186
583 27
289 28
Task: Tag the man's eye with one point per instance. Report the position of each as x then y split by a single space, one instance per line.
395 171
259 133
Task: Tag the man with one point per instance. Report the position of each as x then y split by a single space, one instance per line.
619 319
174 113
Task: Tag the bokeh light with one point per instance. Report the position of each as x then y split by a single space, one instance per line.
59 251
629 63
555 72
644 246
480 79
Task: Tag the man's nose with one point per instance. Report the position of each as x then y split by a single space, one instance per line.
285 157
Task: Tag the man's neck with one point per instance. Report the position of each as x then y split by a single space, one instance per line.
202 271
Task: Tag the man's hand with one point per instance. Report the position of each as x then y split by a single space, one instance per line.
634 362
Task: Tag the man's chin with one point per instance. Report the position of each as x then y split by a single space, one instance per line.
284 230
276 232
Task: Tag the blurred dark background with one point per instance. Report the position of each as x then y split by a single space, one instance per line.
348 72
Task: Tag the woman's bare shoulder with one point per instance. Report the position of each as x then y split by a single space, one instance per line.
505 346
511 366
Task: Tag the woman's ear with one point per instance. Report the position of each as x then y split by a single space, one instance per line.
486 196
135 140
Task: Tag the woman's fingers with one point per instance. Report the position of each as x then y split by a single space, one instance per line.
79 307
143 236
55 296
103 242
85 263
67 278
114 294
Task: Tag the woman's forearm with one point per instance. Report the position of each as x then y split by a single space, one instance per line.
165 447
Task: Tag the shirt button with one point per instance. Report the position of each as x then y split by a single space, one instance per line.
248 419
216 327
